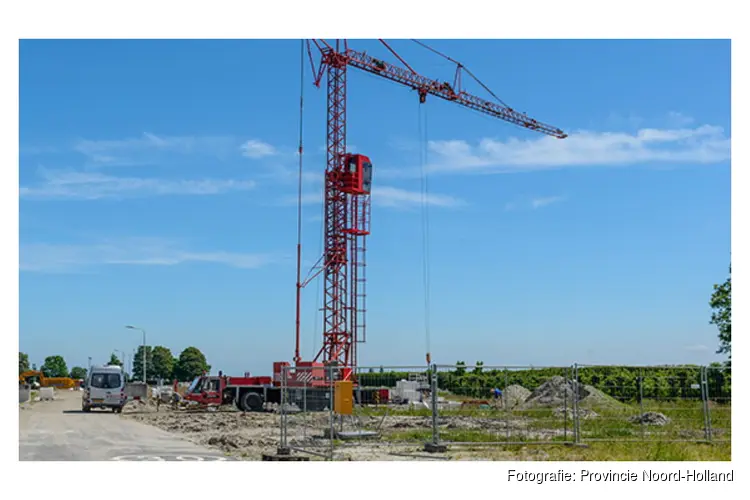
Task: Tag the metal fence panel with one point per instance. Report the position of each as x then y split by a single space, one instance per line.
621 403
718 407
481 405
420 407
305 411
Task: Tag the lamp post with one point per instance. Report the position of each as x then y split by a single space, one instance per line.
121 352
123 359
131 327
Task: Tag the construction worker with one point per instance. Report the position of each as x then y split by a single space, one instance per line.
497 393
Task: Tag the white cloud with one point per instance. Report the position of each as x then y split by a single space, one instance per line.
704 144
395 197
150 148
697 348
543 202
386 196
93 185
533 203
257 149
43 257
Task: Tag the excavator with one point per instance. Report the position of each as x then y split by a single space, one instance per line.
57 382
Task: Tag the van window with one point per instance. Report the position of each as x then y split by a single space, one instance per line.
105 380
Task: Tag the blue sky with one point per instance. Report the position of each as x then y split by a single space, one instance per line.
158 178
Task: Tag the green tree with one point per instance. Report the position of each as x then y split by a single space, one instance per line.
54 366
162 363
460 368
23 362
114 360
138 364
190 364
78 373
721 304
478 367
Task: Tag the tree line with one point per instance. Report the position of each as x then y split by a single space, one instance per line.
620 382
160 365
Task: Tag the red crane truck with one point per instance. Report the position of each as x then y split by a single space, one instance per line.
308 388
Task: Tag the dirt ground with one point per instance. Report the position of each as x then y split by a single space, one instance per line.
250 435
539 415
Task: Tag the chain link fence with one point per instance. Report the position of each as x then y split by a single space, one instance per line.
396 411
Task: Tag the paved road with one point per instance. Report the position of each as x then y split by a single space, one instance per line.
59 430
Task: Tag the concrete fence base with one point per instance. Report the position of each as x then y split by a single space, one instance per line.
24 394
46 394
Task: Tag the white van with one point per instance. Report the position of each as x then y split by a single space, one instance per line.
105 388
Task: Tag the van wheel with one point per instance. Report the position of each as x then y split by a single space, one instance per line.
252 401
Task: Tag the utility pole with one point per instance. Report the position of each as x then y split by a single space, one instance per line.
131 327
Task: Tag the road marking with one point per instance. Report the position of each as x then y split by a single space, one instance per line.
170 458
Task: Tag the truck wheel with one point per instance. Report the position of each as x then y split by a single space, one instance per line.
251 401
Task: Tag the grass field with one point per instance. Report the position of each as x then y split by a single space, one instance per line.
608 432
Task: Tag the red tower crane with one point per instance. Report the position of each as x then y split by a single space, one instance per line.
348 180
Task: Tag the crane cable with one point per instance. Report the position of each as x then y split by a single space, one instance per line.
422 119
299 176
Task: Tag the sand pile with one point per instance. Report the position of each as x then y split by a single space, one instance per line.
561 392
591 396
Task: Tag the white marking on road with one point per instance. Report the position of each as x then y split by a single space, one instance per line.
137 458
164 458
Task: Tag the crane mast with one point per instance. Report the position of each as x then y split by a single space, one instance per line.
347 190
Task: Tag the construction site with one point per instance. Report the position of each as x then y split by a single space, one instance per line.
332 407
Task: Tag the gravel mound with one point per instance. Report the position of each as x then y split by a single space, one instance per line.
651 418
559 392
554 392
515 395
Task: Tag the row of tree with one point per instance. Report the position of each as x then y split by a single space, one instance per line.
160 365
623 383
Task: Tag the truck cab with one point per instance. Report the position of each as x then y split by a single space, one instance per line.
206 390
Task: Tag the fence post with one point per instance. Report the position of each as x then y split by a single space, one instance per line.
706 406
283 445
434 446
565 408
576 418
640 397
330 408
507 407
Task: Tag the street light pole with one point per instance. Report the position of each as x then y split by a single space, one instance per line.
131 327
